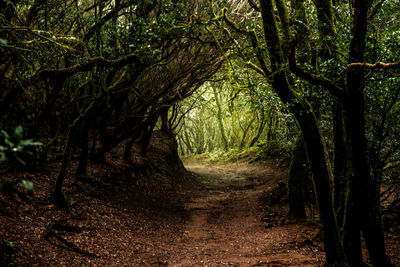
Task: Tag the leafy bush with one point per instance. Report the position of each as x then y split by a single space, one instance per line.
13 148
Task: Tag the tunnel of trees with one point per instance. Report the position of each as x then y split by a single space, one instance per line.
314 83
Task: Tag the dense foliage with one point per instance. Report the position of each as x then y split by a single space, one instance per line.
320 78
313 57
102 72
229 117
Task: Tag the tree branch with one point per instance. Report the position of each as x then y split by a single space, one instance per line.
299 23
310 77
253 39
376 65
375 10
91 63
103 20
284 17
254 5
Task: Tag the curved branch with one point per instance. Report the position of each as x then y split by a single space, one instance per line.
361 65
103 20
91 63
376 65
313 78
254 41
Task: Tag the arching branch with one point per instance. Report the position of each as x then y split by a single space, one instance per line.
91 63
254 41
103 20
376 65
310 77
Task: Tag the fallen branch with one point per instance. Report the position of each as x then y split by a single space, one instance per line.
70 245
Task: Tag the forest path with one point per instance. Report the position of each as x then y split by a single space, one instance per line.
225 227
216 217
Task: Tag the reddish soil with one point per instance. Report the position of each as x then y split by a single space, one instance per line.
216 216
226 227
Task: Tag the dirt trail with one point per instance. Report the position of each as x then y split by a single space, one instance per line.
215 219
225 226
218 217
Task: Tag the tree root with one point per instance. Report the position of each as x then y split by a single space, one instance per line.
53 231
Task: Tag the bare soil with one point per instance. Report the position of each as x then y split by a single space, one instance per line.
226 228
217 215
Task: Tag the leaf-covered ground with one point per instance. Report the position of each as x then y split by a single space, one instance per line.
217 215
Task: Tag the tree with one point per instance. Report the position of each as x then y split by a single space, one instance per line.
91 82
348 89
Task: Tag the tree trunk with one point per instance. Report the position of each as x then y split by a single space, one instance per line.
180 144
363 189
259 130
81 170
220 121
315 147
164 120
57 196
340 163
245 132
186 139
128 147
297 181
146 135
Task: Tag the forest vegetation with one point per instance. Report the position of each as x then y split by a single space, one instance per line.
314 85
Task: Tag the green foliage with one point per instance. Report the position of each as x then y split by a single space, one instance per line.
251 115
10 244
14 147
28 185
179 45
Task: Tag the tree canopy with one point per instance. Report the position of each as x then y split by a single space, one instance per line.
316 82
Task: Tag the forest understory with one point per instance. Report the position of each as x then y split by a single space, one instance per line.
221 214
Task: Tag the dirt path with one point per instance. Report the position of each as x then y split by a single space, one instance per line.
225 226
221 216
217 221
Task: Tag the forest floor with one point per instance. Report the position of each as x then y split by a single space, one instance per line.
228 224
230 214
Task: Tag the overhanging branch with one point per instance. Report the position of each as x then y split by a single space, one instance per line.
376 65
361 65
310 77
87 66
253 39
104 19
